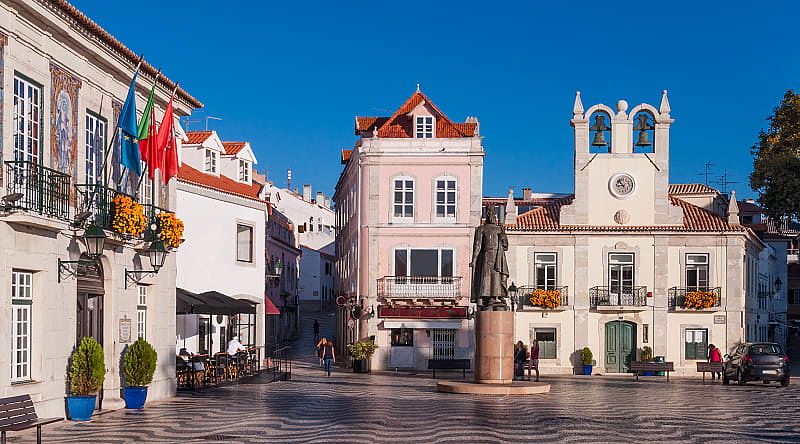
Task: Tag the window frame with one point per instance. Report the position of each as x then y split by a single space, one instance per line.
445 205
251 253
244 171
408 261
546 352
147 189
697 268
32 131
210 161
424 129
443 343
621 266
703 349
546 265
21 303
403 204
141 312
93 168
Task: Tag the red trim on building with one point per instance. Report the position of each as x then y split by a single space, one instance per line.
422 312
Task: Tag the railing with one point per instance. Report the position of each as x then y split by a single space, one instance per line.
561 300
150 213
280 363
602 296
420 287
38 189
96 199
677 296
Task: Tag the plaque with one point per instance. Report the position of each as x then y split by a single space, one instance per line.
124 330
719 319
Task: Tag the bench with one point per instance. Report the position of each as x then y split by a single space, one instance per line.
709 367
639 366
17 413
448 364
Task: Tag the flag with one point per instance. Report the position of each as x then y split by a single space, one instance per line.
166 139
146 129
129 130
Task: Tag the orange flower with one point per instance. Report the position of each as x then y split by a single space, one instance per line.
545 298
170 229
699 300
128 216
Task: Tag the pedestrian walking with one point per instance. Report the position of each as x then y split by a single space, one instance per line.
320 345
520 356
316 330
328 355
714 355
535 358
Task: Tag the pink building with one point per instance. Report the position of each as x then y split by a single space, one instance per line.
407 203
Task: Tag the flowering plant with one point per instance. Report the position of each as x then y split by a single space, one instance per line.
546 298
128 215
699 299
170 229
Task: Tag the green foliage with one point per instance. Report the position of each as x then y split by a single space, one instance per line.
87 369
362 349
586 356
140 363
776 160
647 353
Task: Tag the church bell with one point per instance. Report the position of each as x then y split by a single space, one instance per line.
643 126
598 128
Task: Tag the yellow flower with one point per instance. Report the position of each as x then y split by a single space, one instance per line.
128 216
170 229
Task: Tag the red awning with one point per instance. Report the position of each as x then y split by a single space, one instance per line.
269 307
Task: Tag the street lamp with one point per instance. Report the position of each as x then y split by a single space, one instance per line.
512 293
95 238
277 269
157 254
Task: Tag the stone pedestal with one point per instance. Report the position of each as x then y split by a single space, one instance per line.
494 347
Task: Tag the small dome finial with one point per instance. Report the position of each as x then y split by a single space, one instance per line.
417 87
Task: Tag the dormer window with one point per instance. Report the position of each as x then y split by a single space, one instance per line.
423 129
244 171
210 164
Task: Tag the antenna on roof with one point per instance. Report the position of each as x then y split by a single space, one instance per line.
211 118
708 166
723 182
188 121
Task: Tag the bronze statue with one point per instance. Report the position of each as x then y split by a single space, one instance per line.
489 267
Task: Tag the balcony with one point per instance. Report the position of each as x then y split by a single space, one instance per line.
36 189
96 199
551 299
420 290
693 299
602 298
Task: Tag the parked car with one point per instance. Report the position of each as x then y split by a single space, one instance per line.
758 361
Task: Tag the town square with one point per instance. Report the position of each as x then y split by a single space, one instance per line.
446 222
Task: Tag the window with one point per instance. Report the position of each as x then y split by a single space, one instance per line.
545 270
620 275
402 337
404 198
645 333
21 298
696 272
446 198
424 127
146 190
795 298
244 243
244 171
141 312
27 120
423 262
696 343
444 343
210 165
95 143
547 342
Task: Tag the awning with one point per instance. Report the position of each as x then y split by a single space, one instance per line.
269 307
423 324
210 302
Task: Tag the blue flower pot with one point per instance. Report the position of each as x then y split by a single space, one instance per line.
80 408
587 369
134 397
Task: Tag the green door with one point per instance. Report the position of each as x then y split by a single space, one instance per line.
620 346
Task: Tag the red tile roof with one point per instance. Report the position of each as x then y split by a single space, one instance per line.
224 184
197 137
399 125
233 148
691 188
546 218
346 156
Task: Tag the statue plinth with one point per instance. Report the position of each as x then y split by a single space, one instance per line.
494 347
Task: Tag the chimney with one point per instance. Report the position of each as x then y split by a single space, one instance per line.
733 209
289 179
307 192
527 194
320 198
327 202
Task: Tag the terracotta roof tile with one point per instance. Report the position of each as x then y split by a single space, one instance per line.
233 148
197 137
399 125
691 188
224 184
346 156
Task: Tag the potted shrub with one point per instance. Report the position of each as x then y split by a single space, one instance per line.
87 370
587 360
139 365
361 351
647 356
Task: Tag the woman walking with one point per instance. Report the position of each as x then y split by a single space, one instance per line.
535 357
328 355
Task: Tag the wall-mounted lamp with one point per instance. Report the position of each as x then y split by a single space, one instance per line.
94 238
157 255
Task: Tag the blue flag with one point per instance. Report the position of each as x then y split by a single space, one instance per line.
129 130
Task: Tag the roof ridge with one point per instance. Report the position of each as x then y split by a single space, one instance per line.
428 101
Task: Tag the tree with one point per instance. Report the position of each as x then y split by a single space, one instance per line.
776 161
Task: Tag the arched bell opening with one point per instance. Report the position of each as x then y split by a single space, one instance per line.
643 132
600 132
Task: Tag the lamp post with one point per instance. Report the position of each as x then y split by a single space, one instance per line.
277 271
94 238
512 294
157 254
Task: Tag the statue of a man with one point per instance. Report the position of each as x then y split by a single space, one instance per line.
489 267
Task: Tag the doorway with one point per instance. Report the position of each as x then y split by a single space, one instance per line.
89 308
620 346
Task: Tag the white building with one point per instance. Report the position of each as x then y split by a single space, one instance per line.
626 254
225 215
64 79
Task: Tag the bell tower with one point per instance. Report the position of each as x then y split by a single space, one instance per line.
621 170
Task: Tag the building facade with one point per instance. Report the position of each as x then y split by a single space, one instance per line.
629 260
282 289
63 82
407 203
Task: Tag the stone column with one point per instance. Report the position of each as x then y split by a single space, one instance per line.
494 347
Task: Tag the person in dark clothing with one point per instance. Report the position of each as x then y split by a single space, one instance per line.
520 356
328 355
316 330
535 358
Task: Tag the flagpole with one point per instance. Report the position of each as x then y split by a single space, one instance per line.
152 116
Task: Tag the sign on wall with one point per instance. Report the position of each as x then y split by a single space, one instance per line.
124 330
719 319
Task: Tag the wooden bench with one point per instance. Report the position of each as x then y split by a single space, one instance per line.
709 367
448 364
638 367
17 413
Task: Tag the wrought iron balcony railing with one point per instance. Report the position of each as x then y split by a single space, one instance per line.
603 296
678 296
420 287
97 200
150 213
32 187
553 297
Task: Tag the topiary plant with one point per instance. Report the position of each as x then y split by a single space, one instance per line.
362 349
586 356
647 353
87 369
140 363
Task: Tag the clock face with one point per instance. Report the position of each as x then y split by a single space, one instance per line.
622 185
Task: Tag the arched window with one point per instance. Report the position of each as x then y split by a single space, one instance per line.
403 198
445 197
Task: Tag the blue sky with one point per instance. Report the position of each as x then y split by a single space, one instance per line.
289 77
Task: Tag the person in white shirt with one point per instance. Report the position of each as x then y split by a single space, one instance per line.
234 346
